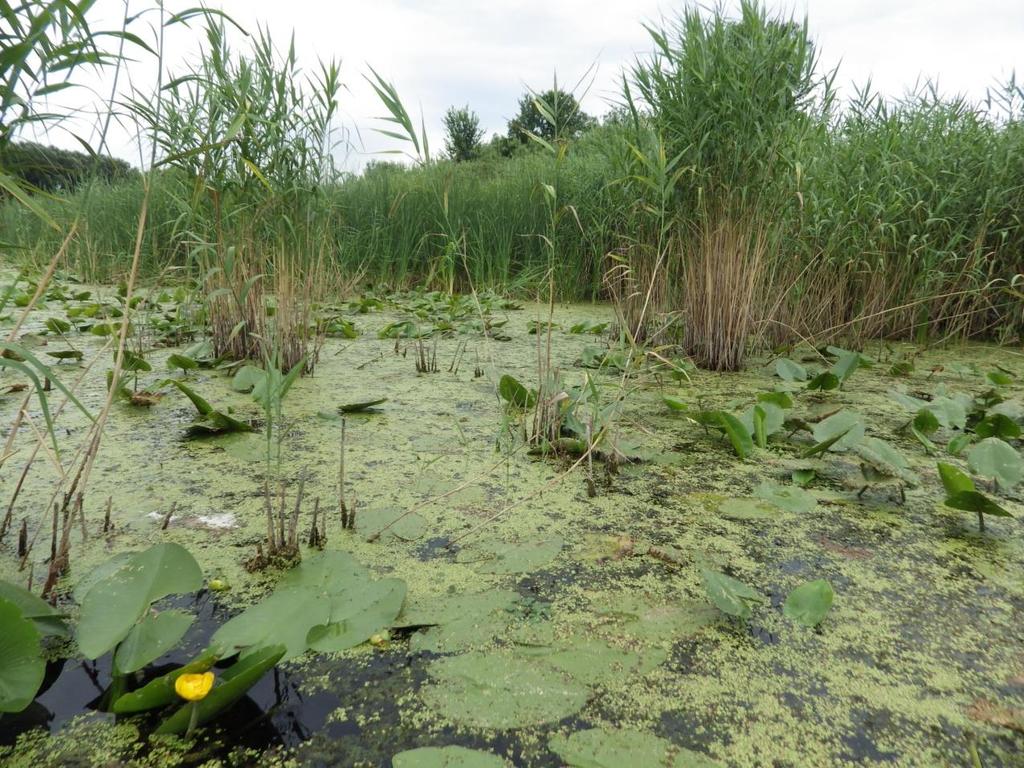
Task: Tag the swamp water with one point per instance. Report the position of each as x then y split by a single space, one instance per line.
550 635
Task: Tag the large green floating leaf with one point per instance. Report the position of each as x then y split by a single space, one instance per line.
748 509
594 662
883 461
283 618
447 757
21 661
113 605
607 748
503 557
150 639
501 690
160 692
459 622
45 618
845 425
809 603
787 497
357 614
235 681
392 521
728 594
996 459
654 622
787 370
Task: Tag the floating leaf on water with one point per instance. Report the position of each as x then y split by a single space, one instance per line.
787 370
151 638
950 413
803 477
809 603
501 690
21 661
958 444
595 662
43 615
283 618
407 527
503 557
366 406
113 605
847 427
747 509
357 614
608 748
675 404
66 354
996 459
787 497
728 594
458 622
885 460
247 378
844 367
447 757
780 399
999 378
176 361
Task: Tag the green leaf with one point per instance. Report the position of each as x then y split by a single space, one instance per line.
809 603
366 405
46 619
760 434
997 425
803 477
844 367
958 444
787 370
21 660
824 381
738 435
926 422
996 459
446 757
848 426
787 497
235 681
515 393
201 405
780 399
973 501
824 445
729 595
113 605
150 639
182 362
953 480
675 404
282 619
357 615
247 378
617 748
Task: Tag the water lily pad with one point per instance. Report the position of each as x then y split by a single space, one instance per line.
654 622
356 614
370 522
787 497
848 422
502 557
729 595
747 509
809 603
459 622
996 459
21 662
447 757
607 748
595 662
502 690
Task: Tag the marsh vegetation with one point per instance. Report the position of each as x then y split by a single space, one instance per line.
688 436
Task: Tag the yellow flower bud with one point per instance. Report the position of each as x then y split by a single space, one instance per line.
194 687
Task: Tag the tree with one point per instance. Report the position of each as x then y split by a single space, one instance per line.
567 121
462 133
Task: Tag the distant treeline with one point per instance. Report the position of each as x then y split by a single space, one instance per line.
51 169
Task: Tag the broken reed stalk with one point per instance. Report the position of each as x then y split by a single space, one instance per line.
167 518
107 525
316 537
293 525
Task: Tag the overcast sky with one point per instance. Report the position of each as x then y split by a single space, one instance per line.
445 52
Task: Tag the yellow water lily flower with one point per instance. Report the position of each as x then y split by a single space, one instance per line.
194 687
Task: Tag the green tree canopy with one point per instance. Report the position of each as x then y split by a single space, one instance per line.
568 118
462 133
